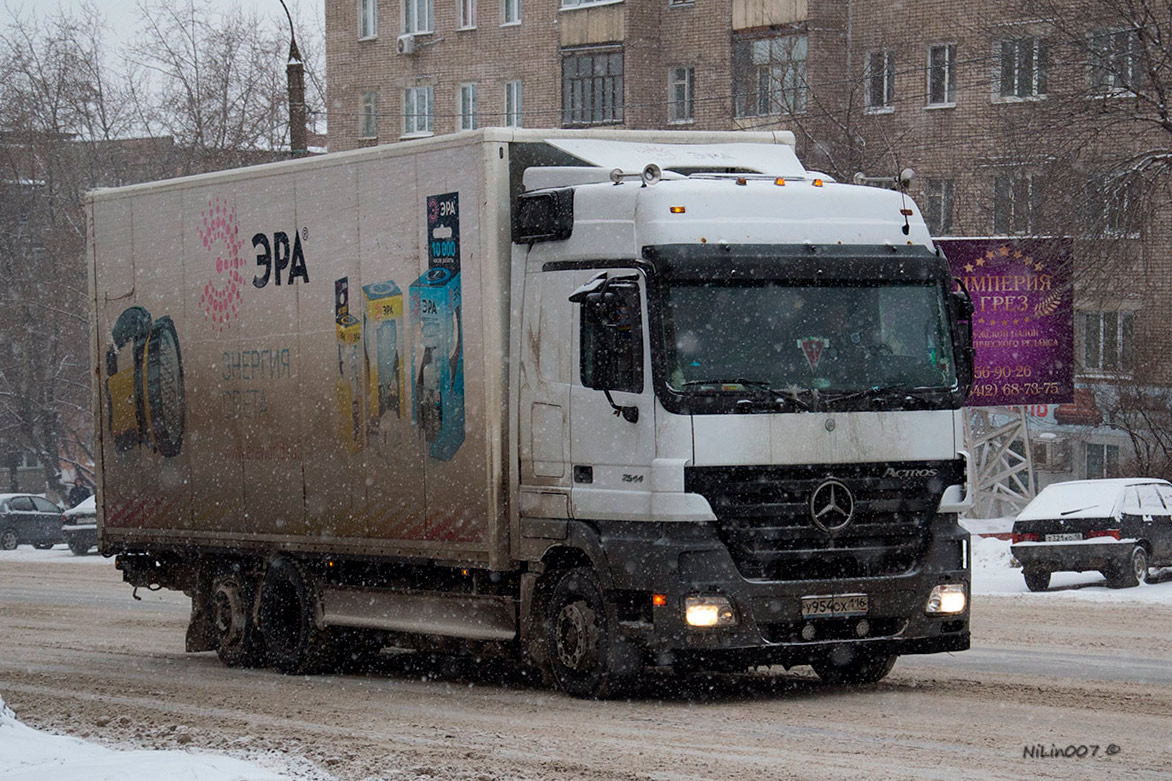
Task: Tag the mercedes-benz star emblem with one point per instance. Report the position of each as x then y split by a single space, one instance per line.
832 506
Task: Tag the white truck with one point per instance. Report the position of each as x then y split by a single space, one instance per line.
598 400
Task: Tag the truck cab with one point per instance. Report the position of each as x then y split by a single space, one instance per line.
740 396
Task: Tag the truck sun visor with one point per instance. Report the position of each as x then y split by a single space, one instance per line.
773 159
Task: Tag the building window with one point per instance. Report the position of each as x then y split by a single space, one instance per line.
1102 461
592 87
513 103
1017 204
367 18
418 16
1114 206
880 81
510 12
368 120
937 206
942 74
770 75
1107 341
1024 66
466 13
579 3
417 110
681 95
1116 62
466 107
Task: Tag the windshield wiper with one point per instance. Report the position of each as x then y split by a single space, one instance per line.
885 393
776 397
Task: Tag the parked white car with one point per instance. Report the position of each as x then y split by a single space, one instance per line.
80 526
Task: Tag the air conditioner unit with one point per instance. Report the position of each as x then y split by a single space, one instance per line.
405 44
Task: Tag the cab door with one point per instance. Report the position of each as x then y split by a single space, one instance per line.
612 405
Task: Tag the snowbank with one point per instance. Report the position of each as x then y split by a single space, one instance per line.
28 754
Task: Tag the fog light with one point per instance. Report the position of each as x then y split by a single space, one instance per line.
947 599
709 611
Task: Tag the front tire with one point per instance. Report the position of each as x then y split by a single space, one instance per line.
862 667
1036 580
293 642
585 658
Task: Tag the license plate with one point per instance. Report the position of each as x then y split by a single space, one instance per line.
835 605
1066 537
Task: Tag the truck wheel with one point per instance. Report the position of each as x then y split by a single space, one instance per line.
79 548
1130 573
584 658
861 667
238 643
7 539
293 643
1036 579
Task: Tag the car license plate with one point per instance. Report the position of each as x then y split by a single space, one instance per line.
1066 537
835 605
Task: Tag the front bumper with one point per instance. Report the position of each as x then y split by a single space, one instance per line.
770 628
1074 556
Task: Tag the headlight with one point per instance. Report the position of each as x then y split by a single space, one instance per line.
947 599
709 611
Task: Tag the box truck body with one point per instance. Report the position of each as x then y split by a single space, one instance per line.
599 400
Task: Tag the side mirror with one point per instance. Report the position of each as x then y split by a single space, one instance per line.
960 311
611 338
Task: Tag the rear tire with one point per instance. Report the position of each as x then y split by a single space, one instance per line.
1036 580
79 548
585 657
863 667
288 606
1133 571
8 540
238 641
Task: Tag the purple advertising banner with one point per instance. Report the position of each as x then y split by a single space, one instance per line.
1023 320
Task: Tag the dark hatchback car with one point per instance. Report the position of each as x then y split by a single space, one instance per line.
26 519
1119 527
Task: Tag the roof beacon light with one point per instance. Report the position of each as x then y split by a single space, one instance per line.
677 209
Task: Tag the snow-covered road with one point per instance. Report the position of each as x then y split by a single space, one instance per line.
1080 665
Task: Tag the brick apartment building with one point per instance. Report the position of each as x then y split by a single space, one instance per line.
1014 116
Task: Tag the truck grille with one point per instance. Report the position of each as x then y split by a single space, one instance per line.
764 517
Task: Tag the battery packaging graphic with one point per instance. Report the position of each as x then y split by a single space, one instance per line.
437 352
144 384
372 389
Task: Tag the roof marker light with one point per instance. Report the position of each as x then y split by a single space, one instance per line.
818 182
906 212
742 181
779 181
677 209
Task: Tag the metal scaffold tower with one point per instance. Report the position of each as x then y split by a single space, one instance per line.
999 442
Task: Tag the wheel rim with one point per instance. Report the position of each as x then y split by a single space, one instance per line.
577 636
8 539
1139 562
229 616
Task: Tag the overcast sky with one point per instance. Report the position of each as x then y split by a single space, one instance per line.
122 15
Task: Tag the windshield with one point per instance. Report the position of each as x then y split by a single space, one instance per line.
840 337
